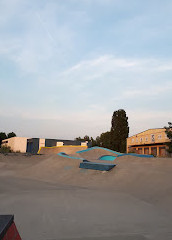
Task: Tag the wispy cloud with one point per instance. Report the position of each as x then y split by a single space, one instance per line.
72 63
41 41
147 91
115 71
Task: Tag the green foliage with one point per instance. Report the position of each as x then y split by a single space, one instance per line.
11 134
86 138
119 130
78 138
169 135
2 136
105 140
93 142
114 139
5 149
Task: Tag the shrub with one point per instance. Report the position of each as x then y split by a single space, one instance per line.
5 149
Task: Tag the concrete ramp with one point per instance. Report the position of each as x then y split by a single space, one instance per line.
97 152
70 149
63 154
100 164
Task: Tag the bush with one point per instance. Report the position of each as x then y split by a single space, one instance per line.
5 149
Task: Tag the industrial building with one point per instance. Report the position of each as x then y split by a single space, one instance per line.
33 145
151 141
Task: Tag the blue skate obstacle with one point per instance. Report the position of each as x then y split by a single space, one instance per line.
99 162
96 166
107 158
87 164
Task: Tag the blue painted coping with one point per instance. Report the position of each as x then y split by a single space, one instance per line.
89 149
96 166
107 158
137 155
62 154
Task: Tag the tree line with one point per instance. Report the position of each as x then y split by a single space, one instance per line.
3 136
115 139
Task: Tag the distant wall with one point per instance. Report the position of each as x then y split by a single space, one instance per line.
151 141
33 145
53 142
41 142
16 143
150 136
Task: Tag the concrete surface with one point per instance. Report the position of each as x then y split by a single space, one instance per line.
66 148
53 199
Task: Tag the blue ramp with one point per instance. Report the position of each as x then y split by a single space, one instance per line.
136 155
107 158
96 166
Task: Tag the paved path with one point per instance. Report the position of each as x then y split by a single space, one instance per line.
53 211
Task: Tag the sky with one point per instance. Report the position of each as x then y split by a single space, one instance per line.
67 65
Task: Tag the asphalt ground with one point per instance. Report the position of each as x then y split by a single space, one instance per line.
51 198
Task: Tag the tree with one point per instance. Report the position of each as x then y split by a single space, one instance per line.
11 134
114 139
119 130
78 138
169 135
85 138
105 140
2 136
93 142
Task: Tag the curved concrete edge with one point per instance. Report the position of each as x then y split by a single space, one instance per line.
136 155
62 154
89 149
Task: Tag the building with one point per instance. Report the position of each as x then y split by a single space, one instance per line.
17 144
33 145
151 141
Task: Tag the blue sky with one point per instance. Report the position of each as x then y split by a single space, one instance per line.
66 65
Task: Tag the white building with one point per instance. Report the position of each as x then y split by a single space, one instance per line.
16 143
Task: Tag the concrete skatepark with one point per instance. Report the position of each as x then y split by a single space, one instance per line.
52 198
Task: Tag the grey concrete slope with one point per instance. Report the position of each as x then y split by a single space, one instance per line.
95 153
52 198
